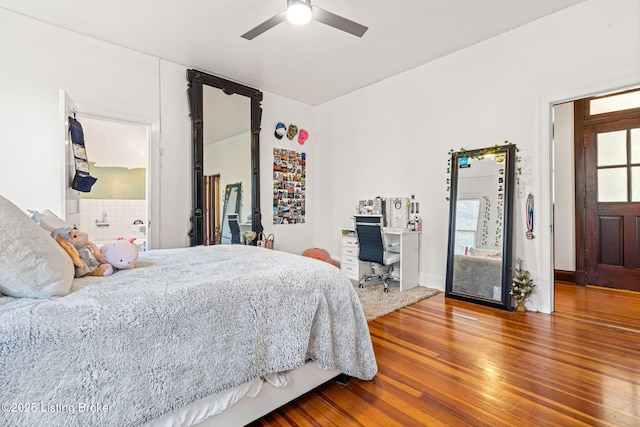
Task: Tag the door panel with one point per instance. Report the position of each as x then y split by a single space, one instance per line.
611 240
637 260
612 214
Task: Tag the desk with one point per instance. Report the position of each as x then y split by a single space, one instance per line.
407 243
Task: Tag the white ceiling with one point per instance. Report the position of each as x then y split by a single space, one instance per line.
312 63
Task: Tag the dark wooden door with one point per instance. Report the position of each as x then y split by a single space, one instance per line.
612 203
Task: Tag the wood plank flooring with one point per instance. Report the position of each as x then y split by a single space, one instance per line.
450 363
613 307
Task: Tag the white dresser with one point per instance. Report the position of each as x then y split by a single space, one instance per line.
349 262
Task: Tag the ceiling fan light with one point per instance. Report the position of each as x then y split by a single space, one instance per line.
298 11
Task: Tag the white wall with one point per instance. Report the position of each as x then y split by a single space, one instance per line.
293 238
564 188
40 60
393 137
104 80
231 159
172 161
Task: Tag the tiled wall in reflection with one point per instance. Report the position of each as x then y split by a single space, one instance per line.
118 214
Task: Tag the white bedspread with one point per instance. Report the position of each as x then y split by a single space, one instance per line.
182 325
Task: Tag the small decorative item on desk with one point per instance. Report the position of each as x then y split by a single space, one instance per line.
247 237
521 286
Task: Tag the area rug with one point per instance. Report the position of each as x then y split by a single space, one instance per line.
377 303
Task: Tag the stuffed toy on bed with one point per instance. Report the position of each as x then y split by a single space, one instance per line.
121 254
85 255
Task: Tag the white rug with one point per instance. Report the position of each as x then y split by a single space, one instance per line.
377 303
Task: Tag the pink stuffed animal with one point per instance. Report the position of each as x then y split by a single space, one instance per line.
121 254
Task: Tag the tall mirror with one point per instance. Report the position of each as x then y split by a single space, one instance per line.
225 122
479 263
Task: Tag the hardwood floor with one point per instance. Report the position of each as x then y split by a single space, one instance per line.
605 306
445 362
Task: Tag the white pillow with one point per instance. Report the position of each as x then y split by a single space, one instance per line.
48 220
32 264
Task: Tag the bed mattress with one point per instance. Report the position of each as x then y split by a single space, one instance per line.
182 325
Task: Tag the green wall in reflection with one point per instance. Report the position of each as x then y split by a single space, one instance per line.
117 183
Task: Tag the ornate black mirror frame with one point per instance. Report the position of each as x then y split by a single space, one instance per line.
196 79
453 289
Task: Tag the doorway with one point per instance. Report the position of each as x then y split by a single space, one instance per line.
608 183
212 228
117 205
603 190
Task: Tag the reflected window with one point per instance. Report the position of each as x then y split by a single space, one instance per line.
467 215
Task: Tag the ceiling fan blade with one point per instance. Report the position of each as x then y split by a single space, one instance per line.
338 22
266 25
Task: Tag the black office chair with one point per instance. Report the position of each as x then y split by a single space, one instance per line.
234 226
373 249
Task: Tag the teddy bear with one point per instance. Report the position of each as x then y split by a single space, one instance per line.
121 254
86 257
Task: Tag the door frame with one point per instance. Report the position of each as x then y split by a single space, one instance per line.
545 291
153 159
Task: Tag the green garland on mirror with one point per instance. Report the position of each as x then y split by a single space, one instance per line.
485 221
479 154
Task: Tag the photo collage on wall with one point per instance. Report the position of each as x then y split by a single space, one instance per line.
289 182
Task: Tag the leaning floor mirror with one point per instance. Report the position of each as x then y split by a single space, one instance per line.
225 130
479 262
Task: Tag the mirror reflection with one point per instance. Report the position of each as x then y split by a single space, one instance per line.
479 262
225 129
231 214
226 162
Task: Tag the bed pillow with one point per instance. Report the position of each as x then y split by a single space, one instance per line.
48 220
32 264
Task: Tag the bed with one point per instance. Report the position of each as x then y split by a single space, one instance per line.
176 339
479 273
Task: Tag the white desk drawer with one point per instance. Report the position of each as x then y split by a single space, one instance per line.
351 271
349 242
350 260
351 251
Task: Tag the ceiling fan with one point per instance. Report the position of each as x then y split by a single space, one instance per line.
300 12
